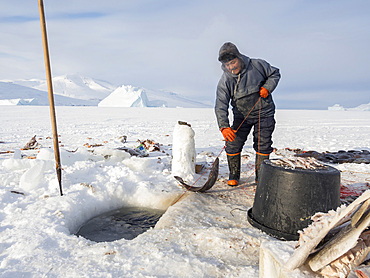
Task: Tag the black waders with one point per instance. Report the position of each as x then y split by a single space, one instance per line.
259 160
234 169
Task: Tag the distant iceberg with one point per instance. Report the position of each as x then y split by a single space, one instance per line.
338 107
362 107
125 96
130 96
17 101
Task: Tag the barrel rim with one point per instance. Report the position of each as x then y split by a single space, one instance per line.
327 170
271 232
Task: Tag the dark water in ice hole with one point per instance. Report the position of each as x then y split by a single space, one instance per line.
127 223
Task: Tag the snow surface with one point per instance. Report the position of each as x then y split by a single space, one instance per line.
201 235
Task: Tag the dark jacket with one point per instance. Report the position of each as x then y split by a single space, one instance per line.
255 74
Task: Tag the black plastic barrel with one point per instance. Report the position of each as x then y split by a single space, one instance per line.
286 199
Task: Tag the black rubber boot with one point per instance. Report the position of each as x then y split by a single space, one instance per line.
234 169
258 163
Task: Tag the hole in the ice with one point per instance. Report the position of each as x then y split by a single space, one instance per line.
126 222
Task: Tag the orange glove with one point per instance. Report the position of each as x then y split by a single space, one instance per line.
228 134
264 92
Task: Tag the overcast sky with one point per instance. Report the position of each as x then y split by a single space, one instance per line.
320 46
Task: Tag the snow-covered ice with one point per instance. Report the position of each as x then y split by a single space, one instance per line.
201 235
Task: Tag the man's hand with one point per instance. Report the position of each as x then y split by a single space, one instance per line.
228 134
264 92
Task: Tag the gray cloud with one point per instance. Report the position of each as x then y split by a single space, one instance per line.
321 47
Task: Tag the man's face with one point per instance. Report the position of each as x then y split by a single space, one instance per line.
234 66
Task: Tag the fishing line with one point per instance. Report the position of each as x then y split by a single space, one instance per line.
258 101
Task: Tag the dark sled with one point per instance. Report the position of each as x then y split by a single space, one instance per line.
209 183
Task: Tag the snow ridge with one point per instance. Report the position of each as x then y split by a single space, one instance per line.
75 90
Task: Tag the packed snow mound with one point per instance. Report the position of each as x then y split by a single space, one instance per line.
183 152
14 94
338 107
129 96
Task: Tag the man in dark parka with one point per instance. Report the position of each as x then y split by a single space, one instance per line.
247 85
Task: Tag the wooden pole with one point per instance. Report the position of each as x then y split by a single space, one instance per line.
51 94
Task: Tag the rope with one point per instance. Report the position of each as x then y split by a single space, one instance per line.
258 147
365 173
355 172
